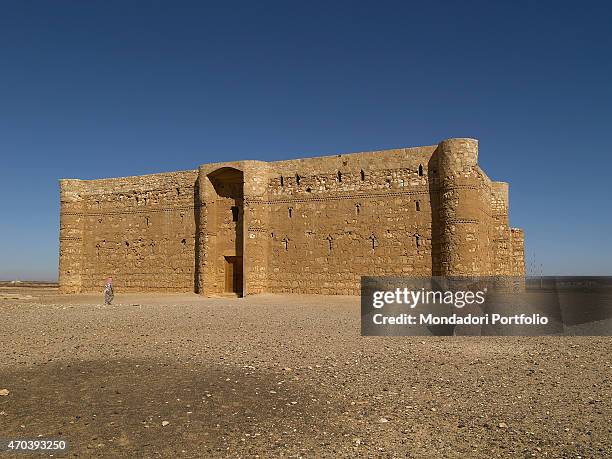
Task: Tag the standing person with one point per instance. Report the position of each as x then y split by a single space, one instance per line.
108 291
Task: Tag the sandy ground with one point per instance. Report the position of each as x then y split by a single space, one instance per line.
269 376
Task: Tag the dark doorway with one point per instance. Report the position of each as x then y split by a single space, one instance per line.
233 275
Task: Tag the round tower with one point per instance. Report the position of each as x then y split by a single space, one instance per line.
71 235
461 243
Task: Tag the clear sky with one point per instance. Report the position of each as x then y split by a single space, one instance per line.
114 88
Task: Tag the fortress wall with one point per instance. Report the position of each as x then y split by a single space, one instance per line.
141 231
71 235
518 252
327 230
500 235
463 220
256 226
312 225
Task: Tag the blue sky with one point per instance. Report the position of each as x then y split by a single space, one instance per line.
114 88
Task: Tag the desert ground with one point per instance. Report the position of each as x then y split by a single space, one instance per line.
181 375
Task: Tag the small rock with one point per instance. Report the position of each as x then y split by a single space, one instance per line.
165 423
502 425
4 392
382 420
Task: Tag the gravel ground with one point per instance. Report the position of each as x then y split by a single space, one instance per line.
270 375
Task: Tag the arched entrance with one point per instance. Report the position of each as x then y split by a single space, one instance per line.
226 229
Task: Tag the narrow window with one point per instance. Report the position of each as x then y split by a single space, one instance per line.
297 179
357 208
286 243
330 241
339 176
417 239
362 175
420 170
418 206
235 213
282 181
290 212
374 241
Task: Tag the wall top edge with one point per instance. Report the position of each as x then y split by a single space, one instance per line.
426 149
127 177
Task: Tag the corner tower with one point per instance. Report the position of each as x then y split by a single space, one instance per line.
463 244
71 235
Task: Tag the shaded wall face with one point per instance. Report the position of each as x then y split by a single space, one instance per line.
224 227
141 232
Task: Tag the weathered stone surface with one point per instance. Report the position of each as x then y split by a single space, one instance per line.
313 225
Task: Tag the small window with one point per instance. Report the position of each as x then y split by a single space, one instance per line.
417 240
418 206
282 180
290 212
339 175
357 208
235 213
374 241
362 175
297 179
420 170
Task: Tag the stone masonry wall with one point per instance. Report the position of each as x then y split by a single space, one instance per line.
138 230
334 219
313 225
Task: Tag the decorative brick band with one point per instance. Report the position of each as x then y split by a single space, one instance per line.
130 211
287 200
462 220
258 229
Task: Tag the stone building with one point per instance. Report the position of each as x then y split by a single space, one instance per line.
312 225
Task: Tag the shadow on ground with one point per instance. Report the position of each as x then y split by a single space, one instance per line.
120 409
